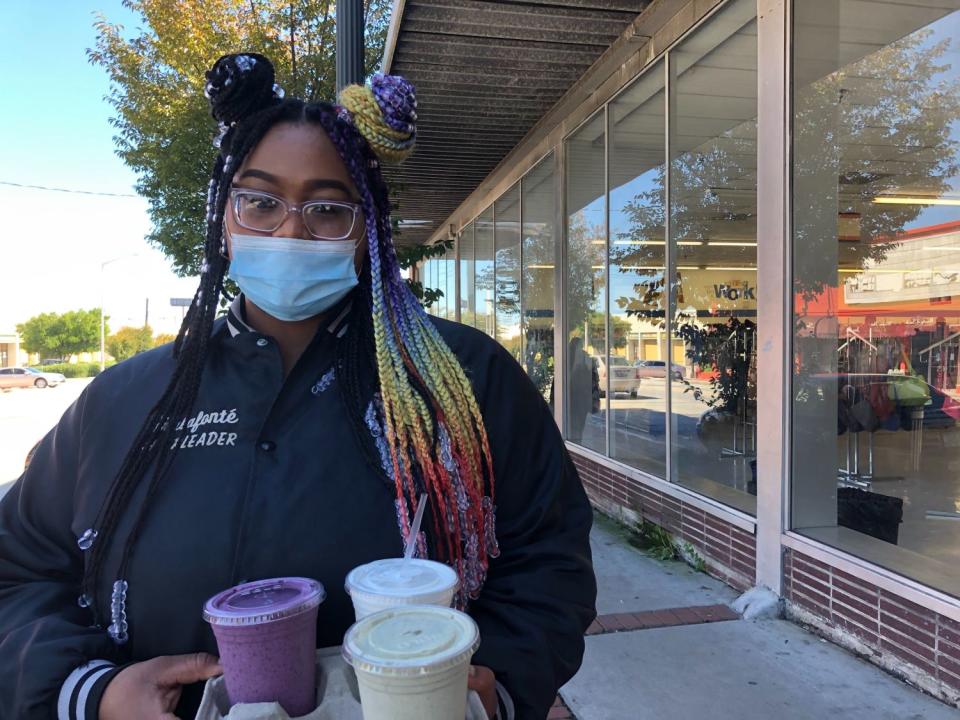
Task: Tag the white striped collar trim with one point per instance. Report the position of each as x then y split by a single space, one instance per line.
237 325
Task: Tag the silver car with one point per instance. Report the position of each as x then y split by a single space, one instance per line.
658 369
624 379
28 377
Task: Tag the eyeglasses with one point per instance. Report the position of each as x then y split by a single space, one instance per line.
323 219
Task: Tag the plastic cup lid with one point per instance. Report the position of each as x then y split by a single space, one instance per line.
263 601
411 640
415 580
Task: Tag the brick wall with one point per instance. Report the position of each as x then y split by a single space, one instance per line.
916 643
730 552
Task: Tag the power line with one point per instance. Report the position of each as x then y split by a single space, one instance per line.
66 190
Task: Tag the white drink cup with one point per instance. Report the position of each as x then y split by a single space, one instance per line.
384 584
412 662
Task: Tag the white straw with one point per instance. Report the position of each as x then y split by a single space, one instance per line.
415 529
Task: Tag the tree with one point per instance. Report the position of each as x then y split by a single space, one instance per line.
409 256
163 339
53 335
164 129
128 341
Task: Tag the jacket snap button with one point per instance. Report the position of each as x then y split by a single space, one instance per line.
261 343
268 445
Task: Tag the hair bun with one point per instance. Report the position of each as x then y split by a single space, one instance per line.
239 85
385 113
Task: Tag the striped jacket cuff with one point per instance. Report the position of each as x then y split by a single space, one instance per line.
80 693
505 702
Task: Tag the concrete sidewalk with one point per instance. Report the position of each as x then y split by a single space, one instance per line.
692 663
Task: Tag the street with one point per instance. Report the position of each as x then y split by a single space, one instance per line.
26 415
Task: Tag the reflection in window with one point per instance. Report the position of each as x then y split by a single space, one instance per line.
450 258
713 244
467 296
876 233
638 337
507 243
539 257
586 361
429 282
484 282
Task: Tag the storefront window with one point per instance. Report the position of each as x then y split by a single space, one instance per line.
586 297
450 265
467 295
442 285
876 260
713 244
537 278
484 282
638 334
507 244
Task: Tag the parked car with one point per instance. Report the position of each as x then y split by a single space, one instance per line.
658 369
625 377
51 361
28 377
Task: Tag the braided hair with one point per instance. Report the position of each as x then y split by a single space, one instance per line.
406 395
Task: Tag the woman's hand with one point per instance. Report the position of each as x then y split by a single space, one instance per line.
150 690
483 681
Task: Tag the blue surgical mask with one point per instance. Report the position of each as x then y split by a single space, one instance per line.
292 279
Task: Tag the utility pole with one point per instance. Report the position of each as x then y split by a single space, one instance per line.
146 313
349 43
103 265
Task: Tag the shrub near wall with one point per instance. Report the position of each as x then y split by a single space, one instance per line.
74 370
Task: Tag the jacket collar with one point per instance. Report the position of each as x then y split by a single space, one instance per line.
237 317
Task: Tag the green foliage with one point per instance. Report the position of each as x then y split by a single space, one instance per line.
128 341
728 349
654 540
164 129
660 544
410 256
53 335
75 370
163 339
694 559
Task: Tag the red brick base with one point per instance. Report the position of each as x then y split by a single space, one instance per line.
730 553
919 645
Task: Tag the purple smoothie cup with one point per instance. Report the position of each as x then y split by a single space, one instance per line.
267 636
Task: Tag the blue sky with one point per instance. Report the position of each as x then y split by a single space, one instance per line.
55 132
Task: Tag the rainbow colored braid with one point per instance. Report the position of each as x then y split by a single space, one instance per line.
426 419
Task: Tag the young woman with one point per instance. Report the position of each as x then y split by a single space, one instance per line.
292 437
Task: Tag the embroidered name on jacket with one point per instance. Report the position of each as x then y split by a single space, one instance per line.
198 434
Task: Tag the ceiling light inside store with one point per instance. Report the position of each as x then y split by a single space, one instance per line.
541 267
639 242
893 200
724 243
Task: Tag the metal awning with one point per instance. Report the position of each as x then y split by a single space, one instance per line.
485 71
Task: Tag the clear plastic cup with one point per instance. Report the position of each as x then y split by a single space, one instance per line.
267 636
384 584
412 662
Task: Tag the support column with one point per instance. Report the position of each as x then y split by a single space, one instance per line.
774 293
349 43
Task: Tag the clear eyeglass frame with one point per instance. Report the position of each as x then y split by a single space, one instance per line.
237 194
